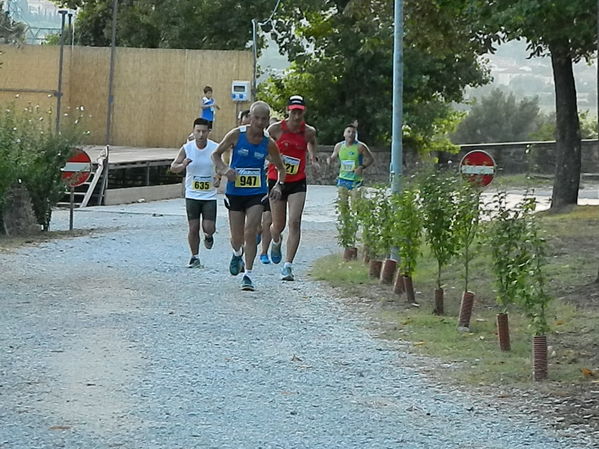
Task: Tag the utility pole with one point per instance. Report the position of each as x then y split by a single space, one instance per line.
108 136
396 129
63 13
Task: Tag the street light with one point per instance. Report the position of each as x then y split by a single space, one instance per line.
63 13
396 130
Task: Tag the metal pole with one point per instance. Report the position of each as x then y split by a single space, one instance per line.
396 130
255 57
63 13
71 206
71 29
108 137
111 72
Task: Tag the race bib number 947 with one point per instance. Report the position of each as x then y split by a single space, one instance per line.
248 178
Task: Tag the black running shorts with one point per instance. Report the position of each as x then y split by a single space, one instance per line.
200 208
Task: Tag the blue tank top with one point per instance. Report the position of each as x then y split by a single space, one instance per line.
247 159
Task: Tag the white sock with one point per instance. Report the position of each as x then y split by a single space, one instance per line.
247 273
239 252
287 265
194 255
275 242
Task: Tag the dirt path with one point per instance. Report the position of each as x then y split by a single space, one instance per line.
109 341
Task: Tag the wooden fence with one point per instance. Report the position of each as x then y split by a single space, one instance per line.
157 92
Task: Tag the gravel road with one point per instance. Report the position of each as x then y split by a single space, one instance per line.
108 340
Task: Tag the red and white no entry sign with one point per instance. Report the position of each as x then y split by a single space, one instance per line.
478 167
77 169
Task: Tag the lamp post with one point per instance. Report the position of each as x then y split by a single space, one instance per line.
396 129
108 135
255 57
63 13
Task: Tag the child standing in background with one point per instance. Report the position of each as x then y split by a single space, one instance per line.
208 106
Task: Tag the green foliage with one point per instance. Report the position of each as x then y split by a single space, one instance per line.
11 32
533 298
370 211
547 127
31 154
569 25
505 234
343 53
518 254
407 229
347 219
499 117
439 209
191 24
466 225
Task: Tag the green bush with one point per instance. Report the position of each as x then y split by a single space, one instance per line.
439 209
347 219
31 153
407 229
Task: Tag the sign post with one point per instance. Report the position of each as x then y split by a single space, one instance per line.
478 167
76 172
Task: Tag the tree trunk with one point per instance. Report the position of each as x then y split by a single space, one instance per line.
567 151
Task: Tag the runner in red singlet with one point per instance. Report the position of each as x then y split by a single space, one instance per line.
295 140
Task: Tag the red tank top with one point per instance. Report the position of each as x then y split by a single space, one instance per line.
293 148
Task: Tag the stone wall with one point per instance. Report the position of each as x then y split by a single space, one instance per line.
511 158
17 215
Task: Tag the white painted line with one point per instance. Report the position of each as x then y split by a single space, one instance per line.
478 170
77 166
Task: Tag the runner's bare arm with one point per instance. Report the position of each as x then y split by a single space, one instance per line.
333 157
180 162
274 130
274 156
367 158
310 135
217 156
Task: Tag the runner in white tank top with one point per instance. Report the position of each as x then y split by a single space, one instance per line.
201 182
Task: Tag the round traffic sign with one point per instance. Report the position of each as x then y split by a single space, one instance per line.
77 169
478 167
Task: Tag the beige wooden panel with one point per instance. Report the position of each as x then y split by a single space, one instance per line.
89 88
157 92
33 67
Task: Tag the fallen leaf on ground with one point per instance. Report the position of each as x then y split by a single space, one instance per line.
587 372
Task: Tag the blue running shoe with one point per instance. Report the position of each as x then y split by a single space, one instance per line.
194 262
236 266
264 259
247 285
287 274
275 252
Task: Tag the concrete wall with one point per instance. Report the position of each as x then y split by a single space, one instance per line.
157 92
511 158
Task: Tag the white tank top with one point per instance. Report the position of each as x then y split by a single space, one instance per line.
199 174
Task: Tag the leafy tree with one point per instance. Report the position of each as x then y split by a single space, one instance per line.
10 31
191 24
342 53
499 117
566 31
547 131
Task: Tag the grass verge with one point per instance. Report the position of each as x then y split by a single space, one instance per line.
475 356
